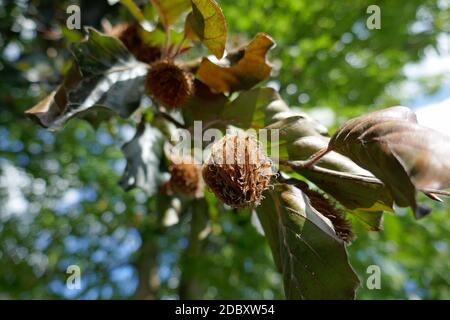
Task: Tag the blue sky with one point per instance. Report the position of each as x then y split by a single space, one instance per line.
432 110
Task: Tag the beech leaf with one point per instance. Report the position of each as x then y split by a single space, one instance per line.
371 220
306 250
254 108
404 155
143 154
204 106
170 10
246 69
351 193
104 76
260 107
207 23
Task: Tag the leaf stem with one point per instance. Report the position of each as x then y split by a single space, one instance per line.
169 118
434 191
179 47
316 157
166 42
306 165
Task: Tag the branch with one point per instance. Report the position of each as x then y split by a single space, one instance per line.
146 260
169 118
147 269
189 287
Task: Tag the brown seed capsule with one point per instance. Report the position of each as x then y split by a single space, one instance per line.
168 84
238 171
341 226
147 54
129 35
186 178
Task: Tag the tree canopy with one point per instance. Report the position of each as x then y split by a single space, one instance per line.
61 196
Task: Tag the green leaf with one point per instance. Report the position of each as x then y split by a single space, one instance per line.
397 150
291 128
208 23
104 76
251 109
170 10
263 107
254 108
144 166
133 9
248 67
294 125
371 220
312 259
157 37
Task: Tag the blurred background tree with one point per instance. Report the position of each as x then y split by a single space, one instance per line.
60 203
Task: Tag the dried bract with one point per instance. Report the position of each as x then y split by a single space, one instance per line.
238 171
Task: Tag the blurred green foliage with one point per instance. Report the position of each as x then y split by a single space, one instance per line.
60 203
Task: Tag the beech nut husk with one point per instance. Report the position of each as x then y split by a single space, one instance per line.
186 179
129 35
238 171
341 225
168 84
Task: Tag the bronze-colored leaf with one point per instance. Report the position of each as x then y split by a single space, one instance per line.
351 193
104 76
254 108
170 10
305 247
246 69
207 22
204 106
404 155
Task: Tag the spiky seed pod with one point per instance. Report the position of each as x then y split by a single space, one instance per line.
186 178
129 35
147 54
238 171
169 84
323 205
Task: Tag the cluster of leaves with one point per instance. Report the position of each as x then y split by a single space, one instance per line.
106 78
